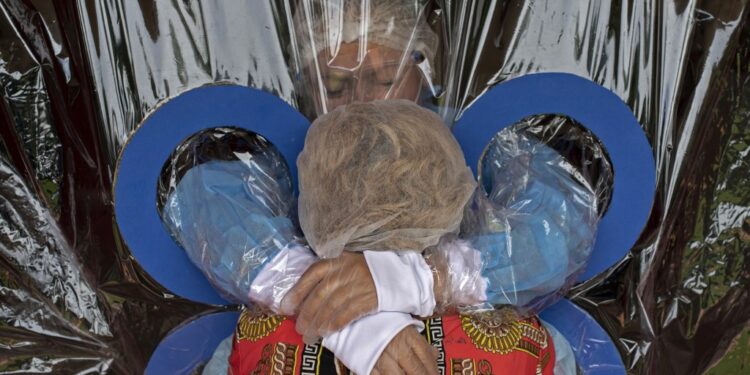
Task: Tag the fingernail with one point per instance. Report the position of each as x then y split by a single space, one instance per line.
286 307
300 328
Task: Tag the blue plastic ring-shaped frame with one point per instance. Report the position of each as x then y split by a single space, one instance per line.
601 111
594 351
144 156
192 344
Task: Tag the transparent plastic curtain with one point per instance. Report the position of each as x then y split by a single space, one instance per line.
79 76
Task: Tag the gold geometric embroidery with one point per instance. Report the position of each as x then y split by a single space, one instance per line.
537 335
263 367
544 362
284 359
255 325
495 332
492 335
528 347
462 366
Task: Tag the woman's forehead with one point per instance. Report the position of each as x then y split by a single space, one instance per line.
353 56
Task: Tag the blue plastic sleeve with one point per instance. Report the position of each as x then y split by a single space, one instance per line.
227 225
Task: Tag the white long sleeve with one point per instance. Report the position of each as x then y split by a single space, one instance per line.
360 344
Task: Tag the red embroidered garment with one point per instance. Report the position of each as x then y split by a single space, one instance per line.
476 344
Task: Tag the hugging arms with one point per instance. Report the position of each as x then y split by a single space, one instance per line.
524 235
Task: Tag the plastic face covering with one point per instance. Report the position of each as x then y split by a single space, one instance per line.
346 51
79 77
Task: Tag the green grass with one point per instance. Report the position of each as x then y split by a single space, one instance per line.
737 360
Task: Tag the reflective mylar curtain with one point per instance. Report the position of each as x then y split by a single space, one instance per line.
79 76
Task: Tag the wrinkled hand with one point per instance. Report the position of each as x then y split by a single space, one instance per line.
331 294
408 353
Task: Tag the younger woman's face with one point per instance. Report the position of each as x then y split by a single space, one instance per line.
353 75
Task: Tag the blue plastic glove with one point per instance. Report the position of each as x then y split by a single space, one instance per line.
231 217
525 240
542 224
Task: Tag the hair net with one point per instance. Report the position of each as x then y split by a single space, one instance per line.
385 175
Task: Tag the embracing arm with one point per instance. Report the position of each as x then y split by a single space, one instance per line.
232 220
337 299
528 241
531 234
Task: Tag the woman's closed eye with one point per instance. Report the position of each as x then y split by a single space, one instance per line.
337 86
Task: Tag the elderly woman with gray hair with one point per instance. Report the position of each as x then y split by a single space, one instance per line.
362 301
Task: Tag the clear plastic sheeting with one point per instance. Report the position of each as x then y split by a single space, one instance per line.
232 216
78 78
582 153
345 51
27 104
530 228
46 294
143 52
266 169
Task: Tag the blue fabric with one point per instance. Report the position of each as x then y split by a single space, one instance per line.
219 362
537 224
228 226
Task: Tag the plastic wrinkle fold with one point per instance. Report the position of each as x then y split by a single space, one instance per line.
80 77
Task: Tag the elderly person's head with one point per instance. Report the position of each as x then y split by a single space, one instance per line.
383 175
362 50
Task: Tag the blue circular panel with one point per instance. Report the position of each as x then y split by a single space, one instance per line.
594 351
144 156
599 110
191 345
